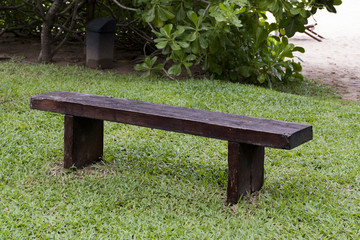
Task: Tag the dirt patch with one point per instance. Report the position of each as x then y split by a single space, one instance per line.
73 53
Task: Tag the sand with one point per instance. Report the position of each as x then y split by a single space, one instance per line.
335 60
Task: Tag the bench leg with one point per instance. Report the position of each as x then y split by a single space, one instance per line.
246 170
83 141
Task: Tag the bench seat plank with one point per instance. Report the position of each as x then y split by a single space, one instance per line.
224 126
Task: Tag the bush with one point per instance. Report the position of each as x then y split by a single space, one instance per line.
231 39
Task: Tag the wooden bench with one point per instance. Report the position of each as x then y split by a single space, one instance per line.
246 136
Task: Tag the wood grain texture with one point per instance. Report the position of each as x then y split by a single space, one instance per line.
230 127
83 141
245 170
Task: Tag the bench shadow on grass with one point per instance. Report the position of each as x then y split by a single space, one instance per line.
142 173
166 157
159 164
140 160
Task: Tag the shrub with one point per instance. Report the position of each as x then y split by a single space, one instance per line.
231 39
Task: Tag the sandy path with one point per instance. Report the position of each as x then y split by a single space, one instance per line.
335 60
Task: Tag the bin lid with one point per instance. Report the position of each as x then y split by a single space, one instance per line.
102 25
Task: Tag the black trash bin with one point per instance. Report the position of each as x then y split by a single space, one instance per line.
100 38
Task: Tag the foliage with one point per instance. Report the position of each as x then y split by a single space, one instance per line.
149 66
231 39
156 184
67 22
25 17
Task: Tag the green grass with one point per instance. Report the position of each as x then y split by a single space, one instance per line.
155 184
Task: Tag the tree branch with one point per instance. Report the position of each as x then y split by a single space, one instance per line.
124 7
12 7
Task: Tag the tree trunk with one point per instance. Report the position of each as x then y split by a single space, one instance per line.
46 53
90 10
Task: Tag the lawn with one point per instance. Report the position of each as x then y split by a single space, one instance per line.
154 184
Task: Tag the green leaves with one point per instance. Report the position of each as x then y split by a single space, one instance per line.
231 39
183 43
328 4
175 69
260 36
157 15
149 66
181 59
293 24
168 40
227 13
197 32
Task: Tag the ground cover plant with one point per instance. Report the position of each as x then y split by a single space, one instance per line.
155 184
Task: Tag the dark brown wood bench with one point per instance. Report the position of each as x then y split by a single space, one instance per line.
247 136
